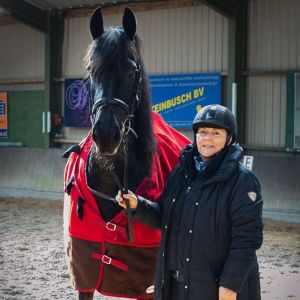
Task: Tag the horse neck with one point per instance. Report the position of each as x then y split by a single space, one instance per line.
146 143
101 178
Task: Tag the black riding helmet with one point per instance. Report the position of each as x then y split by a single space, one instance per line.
216 116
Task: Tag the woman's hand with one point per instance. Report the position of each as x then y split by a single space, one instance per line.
226 294
131 197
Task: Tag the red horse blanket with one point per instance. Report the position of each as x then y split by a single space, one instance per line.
99 254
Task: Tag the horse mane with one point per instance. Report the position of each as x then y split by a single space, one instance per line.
113 48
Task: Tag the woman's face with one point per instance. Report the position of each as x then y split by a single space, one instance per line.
210 141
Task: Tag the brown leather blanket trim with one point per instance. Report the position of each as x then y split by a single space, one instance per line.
88 273
84 270
141 264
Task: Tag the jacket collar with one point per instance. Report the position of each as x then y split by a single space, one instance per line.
216 169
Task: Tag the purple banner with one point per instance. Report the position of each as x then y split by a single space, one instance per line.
77 110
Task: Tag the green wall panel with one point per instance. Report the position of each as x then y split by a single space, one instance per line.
25 118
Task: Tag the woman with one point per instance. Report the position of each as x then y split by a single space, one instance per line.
210 213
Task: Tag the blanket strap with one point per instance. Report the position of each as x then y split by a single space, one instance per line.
110 261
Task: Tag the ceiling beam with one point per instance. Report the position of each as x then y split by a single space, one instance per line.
224 7
26 13
144 5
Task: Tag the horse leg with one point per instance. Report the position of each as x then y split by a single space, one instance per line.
86 296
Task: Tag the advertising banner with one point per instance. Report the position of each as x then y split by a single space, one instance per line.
178 97
77 113
3 116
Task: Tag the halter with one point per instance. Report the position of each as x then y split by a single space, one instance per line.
130 109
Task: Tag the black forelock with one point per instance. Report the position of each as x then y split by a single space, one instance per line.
109 51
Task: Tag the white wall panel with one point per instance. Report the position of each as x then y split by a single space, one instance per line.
266 110
273 45
204 38
274 35
181 40
21 53
76 40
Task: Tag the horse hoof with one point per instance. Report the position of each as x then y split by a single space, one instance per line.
85 296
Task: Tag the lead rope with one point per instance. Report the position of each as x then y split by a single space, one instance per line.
129 226
128 211
124 189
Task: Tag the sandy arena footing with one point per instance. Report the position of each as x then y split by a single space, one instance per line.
33 266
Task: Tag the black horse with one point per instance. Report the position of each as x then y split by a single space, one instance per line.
120 103
123 150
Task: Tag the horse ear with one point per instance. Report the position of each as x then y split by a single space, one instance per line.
129 23
96 23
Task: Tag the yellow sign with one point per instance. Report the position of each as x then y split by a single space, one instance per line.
188 96
3 116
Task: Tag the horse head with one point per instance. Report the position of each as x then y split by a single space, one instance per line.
115 72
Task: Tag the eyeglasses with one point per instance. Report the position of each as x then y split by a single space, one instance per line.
205 133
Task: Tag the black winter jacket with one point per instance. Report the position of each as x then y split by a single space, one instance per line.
220 229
